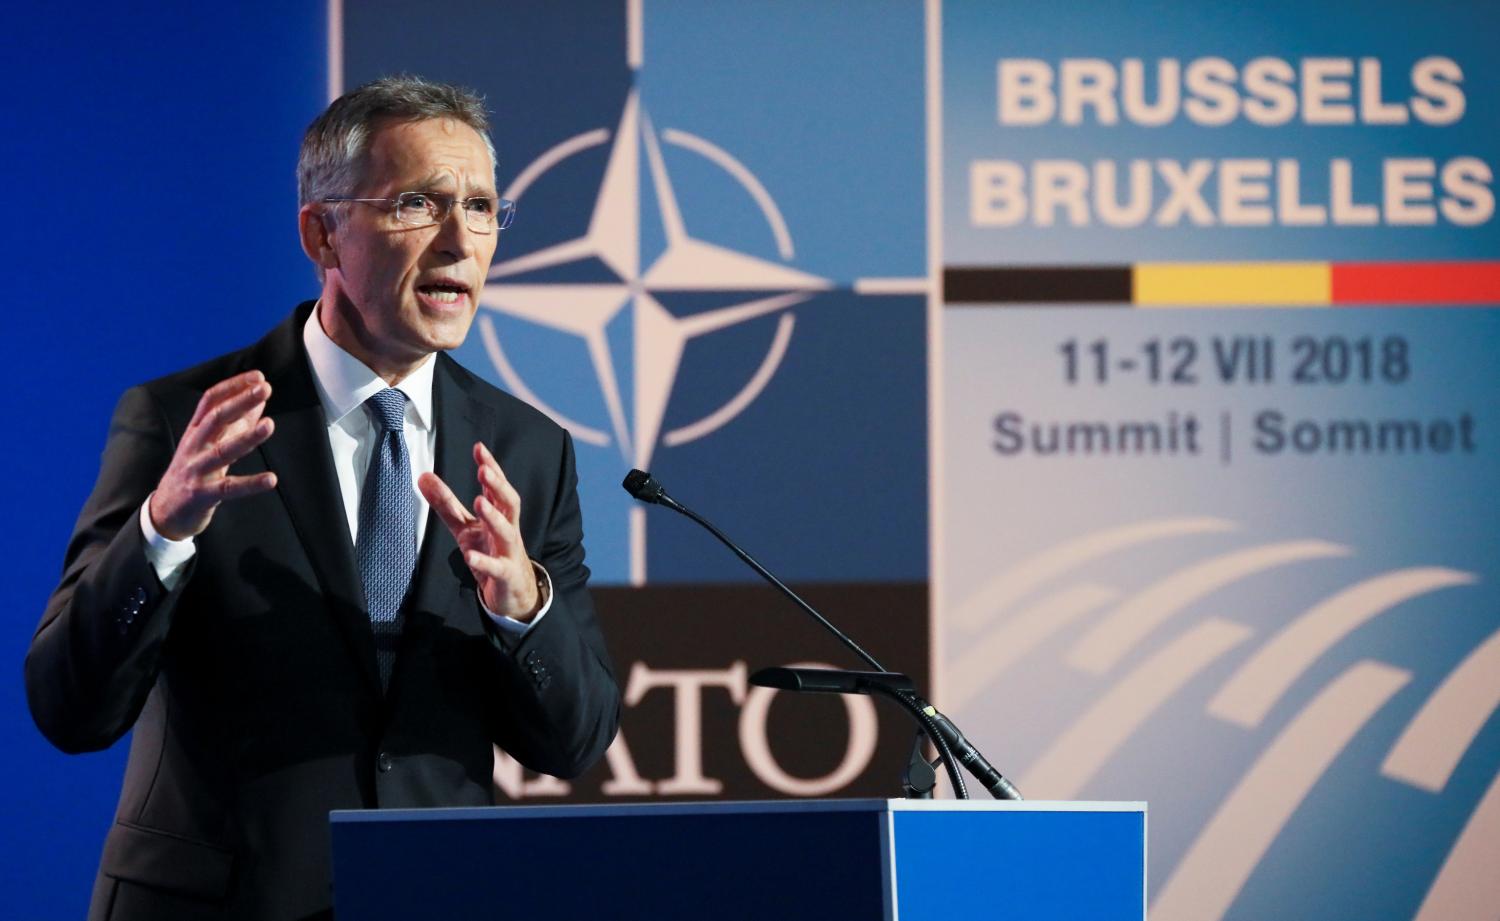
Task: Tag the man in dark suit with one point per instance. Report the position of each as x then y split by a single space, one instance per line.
256 584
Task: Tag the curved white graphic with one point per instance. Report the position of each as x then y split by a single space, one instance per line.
1216 866
1448 722
1303 744
1253 690
987 658
998 594
553 156
1104 646
1084 747
1468 887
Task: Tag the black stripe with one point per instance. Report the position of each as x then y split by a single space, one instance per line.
1089 284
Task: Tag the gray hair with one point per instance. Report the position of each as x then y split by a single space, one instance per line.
335 145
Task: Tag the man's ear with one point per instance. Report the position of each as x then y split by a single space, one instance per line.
317 232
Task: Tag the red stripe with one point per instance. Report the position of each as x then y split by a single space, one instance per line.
1416 283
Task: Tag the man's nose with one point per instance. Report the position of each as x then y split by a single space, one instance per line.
454 235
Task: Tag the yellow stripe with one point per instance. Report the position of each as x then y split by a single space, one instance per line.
1248 284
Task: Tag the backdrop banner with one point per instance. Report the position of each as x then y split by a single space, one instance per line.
1216 463
715 274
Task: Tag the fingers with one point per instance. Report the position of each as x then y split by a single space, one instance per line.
449 509
238 487
219 454
223 390
489 537
227 424
496 487
503 532
498 568
246 405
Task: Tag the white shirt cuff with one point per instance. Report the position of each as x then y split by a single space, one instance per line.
516 628
167 557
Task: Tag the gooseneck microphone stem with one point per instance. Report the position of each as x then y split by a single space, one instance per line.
968 755
765 573
944 735
914 705
907 700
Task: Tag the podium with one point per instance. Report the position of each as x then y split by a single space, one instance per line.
901 860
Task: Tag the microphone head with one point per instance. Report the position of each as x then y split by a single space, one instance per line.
829 680
643 486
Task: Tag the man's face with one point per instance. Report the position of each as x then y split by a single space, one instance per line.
405 292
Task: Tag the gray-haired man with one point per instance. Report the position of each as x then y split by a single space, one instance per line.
333 570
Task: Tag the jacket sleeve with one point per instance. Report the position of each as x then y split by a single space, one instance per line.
96 654
561 704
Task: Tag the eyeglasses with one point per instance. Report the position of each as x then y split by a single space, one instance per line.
482 214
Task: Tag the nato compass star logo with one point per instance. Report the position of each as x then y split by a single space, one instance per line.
685 264
593 330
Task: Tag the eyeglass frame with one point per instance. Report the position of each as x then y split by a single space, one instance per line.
504 215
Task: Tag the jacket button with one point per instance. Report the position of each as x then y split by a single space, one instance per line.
383 762
140 595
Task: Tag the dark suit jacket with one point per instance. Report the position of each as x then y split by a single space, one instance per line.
253 688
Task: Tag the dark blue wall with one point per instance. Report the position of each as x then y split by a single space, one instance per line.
161 145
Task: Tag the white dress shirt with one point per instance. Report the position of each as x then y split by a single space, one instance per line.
344 383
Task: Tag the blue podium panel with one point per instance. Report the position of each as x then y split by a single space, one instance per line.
835 859
1038 861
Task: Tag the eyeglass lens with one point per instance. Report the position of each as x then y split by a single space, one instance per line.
481 214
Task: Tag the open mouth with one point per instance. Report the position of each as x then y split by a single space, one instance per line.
444 292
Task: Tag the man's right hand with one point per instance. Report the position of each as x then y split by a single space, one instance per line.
226 426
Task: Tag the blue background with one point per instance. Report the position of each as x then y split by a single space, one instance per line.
160 143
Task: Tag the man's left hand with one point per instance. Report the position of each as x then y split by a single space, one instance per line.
490 538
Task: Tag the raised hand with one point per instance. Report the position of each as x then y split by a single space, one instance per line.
490 538
226 426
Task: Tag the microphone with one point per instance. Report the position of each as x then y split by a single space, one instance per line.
945 736
830 680
898 687
644 487
970 758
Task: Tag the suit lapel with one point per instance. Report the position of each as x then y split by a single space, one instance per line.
440 569
299 454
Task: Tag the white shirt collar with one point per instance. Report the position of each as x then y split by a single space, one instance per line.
344 382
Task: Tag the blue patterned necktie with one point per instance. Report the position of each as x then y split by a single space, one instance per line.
387 544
